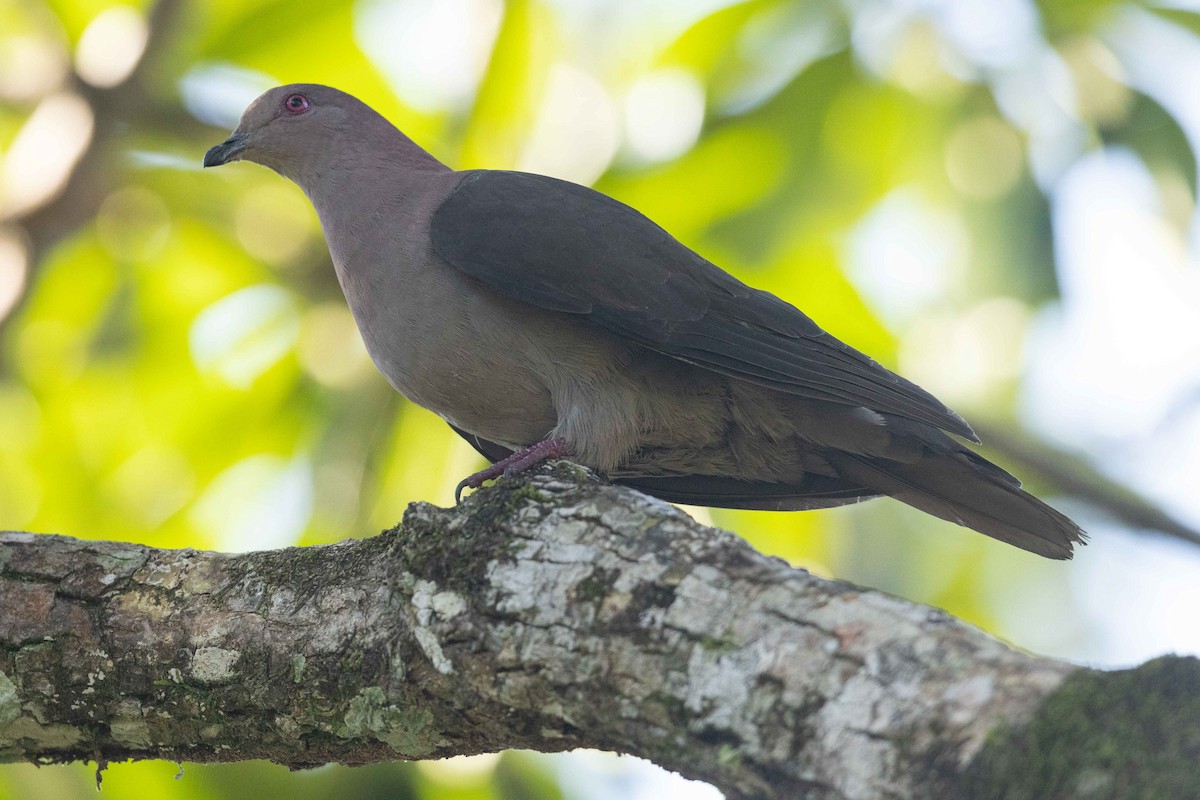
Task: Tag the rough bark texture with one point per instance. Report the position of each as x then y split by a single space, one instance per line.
551 613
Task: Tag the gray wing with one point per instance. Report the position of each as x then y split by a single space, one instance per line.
567 248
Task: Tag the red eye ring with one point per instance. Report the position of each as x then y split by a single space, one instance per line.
296 104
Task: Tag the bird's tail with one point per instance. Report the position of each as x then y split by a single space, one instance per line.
963 487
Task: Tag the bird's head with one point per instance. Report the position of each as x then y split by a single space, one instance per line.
294 129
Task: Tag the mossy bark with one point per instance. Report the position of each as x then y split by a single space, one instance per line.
1102 736
548 613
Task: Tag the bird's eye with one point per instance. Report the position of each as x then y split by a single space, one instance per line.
296 103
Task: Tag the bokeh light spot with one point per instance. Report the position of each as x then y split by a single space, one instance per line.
111 46
261 502
663 114
967 359
242 335
46 149
575 134
984 157
433 51
905 253
330 347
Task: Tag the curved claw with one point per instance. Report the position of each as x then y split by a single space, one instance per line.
515 463
476 480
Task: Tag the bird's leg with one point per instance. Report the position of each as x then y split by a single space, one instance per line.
517 462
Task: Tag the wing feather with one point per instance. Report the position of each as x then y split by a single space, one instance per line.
566 248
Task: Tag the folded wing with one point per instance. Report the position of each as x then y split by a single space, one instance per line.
563 247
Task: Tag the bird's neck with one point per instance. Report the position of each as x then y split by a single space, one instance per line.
349 188
372 210
361 167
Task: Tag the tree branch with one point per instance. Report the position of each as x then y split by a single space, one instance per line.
550 612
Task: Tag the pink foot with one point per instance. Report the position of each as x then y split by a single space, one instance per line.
518 462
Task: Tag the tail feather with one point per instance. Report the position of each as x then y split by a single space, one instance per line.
969 490
937 475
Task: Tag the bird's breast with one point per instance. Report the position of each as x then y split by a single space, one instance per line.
451 348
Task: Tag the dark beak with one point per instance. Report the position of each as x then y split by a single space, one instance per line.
226 151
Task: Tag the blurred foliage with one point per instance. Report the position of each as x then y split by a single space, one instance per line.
177 366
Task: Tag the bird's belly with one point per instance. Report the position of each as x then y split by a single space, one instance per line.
509 409
474 387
